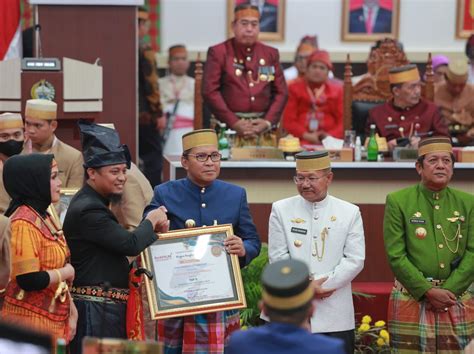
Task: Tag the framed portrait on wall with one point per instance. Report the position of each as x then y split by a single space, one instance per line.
369 20
272 18
465 18
192 273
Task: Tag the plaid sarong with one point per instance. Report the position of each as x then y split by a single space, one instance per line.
199 334
414 329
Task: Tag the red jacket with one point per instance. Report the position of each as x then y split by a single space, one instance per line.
295 116
226 92
424 117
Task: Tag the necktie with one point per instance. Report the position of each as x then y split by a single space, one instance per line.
368 22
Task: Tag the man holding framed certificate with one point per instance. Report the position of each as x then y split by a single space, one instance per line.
201 199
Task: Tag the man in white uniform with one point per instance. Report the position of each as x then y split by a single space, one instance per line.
177 99
327 234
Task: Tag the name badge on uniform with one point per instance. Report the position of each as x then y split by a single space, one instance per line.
297 230
417 221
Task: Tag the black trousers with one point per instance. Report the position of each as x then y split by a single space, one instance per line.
348 337
150 151
97 319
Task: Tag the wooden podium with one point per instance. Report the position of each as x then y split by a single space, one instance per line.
88 30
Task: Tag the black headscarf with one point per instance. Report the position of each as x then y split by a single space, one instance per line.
27 179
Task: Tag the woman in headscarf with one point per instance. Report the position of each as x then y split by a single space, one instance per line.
37 295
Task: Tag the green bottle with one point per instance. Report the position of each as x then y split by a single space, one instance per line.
60 346
223 143
372 146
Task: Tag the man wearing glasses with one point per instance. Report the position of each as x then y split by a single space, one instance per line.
198 200
327 234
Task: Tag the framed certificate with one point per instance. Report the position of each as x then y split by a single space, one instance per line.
192 273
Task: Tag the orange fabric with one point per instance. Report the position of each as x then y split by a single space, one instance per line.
33 250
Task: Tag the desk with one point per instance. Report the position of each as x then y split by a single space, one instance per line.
363 183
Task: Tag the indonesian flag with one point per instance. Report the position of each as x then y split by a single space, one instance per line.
10 29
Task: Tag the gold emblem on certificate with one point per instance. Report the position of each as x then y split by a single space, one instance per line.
216 251
420 232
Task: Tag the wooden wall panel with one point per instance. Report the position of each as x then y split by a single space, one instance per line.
90 32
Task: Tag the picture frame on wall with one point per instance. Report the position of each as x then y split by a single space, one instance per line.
369 20
272 18
192 273
464 18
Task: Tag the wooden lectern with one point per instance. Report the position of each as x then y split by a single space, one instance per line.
88 30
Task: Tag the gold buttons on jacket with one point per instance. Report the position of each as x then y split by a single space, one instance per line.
252 98
402 118
251 84
203 190
298 243
203 205
440 245
248 58
441 265
249 49
438 226
436 207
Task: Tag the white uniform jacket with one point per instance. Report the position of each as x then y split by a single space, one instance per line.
295 231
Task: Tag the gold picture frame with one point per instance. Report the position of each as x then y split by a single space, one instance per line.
192 273
462 15
272 18
385 24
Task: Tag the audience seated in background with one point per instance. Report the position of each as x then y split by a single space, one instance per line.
314 108
177 99
288 300
308 44
440 67
407 117
455 98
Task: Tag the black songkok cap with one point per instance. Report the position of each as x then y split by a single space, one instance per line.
287 285
101 146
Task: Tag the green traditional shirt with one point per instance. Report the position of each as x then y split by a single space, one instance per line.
425 233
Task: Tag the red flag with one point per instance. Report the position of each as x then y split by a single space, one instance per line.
10 29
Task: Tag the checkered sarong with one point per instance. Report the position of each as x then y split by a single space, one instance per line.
200 334
414 329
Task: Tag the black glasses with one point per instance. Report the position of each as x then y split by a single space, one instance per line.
301 179
202 157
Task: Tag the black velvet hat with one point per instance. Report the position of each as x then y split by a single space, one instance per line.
286 285
101 146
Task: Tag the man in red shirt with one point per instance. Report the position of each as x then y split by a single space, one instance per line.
407 117
314 108
243 82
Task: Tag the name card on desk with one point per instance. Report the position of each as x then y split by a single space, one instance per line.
341 155
256 153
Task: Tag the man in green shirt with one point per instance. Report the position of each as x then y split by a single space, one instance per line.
429 240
